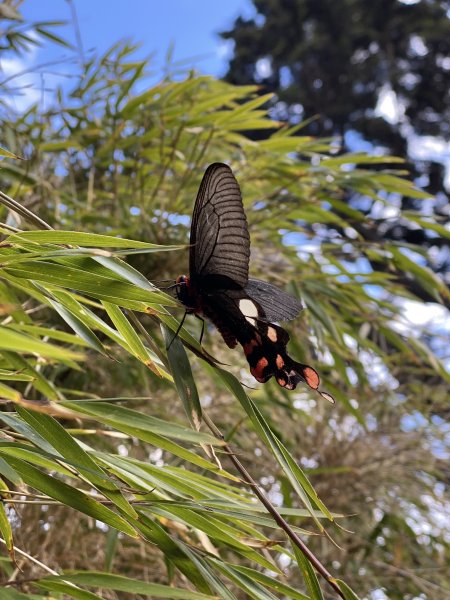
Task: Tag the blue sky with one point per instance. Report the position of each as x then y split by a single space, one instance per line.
191 25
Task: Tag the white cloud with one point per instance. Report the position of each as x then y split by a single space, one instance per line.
417 316
31 78
24 83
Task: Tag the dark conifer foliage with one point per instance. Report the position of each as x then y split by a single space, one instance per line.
336 60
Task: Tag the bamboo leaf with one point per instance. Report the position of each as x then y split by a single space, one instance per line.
137 423
182 375
5 525
70 590
348 593
120 583
80 238
68 495
49 429
309 575
79 327
14 341
99 286
8 154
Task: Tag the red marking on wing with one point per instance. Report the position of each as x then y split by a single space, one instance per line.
279 361
258 370
311 377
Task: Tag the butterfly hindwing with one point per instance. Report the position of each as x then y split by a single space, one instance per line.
277 304
240 318
267 356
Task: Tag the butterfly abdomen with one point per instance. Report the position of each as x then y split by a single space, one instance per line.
214 316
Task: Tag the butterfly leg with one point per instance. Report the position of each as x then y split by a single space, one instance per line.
203 328
178 330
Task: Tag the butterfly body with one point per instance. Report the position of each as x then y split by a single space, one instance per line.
218 286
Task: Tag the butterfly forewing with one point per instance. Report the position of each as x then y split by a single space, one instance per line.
220 242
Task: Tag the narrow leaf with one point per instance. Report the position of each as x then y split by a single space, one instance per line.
182 376
68 495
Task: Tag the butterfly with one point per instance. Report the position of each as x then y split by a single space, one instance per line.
244 310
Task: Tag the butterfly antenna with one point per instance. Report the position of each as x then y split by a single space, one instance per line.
168 287
159 280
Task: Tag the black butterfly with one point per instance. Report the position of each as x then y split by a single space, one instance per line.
219 288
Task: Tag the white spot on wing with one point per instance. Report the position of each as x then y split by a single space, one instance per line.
249 310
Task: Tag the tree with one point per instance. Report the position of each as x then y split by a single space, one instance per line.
338 60
103 468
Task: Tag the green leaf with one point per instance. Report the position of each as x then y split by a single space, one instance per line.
208 573
9 473
79 238
42 458
248 585
60 146
182 376
38 380
56 334
11 594
86 316
5 525
309 575
112 539
427 279
121 268
7 154
348 593
69 590
99 286
68 495
137 423
271 582
8 393
354 158
54 38
129 334
19 342
126 584
86 334
50 430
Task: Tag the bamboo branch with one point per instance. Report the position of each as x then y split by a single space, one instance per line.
272 510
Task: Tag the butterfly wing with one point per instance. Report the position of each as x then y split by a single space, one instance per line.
276 304
220 242
241 318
